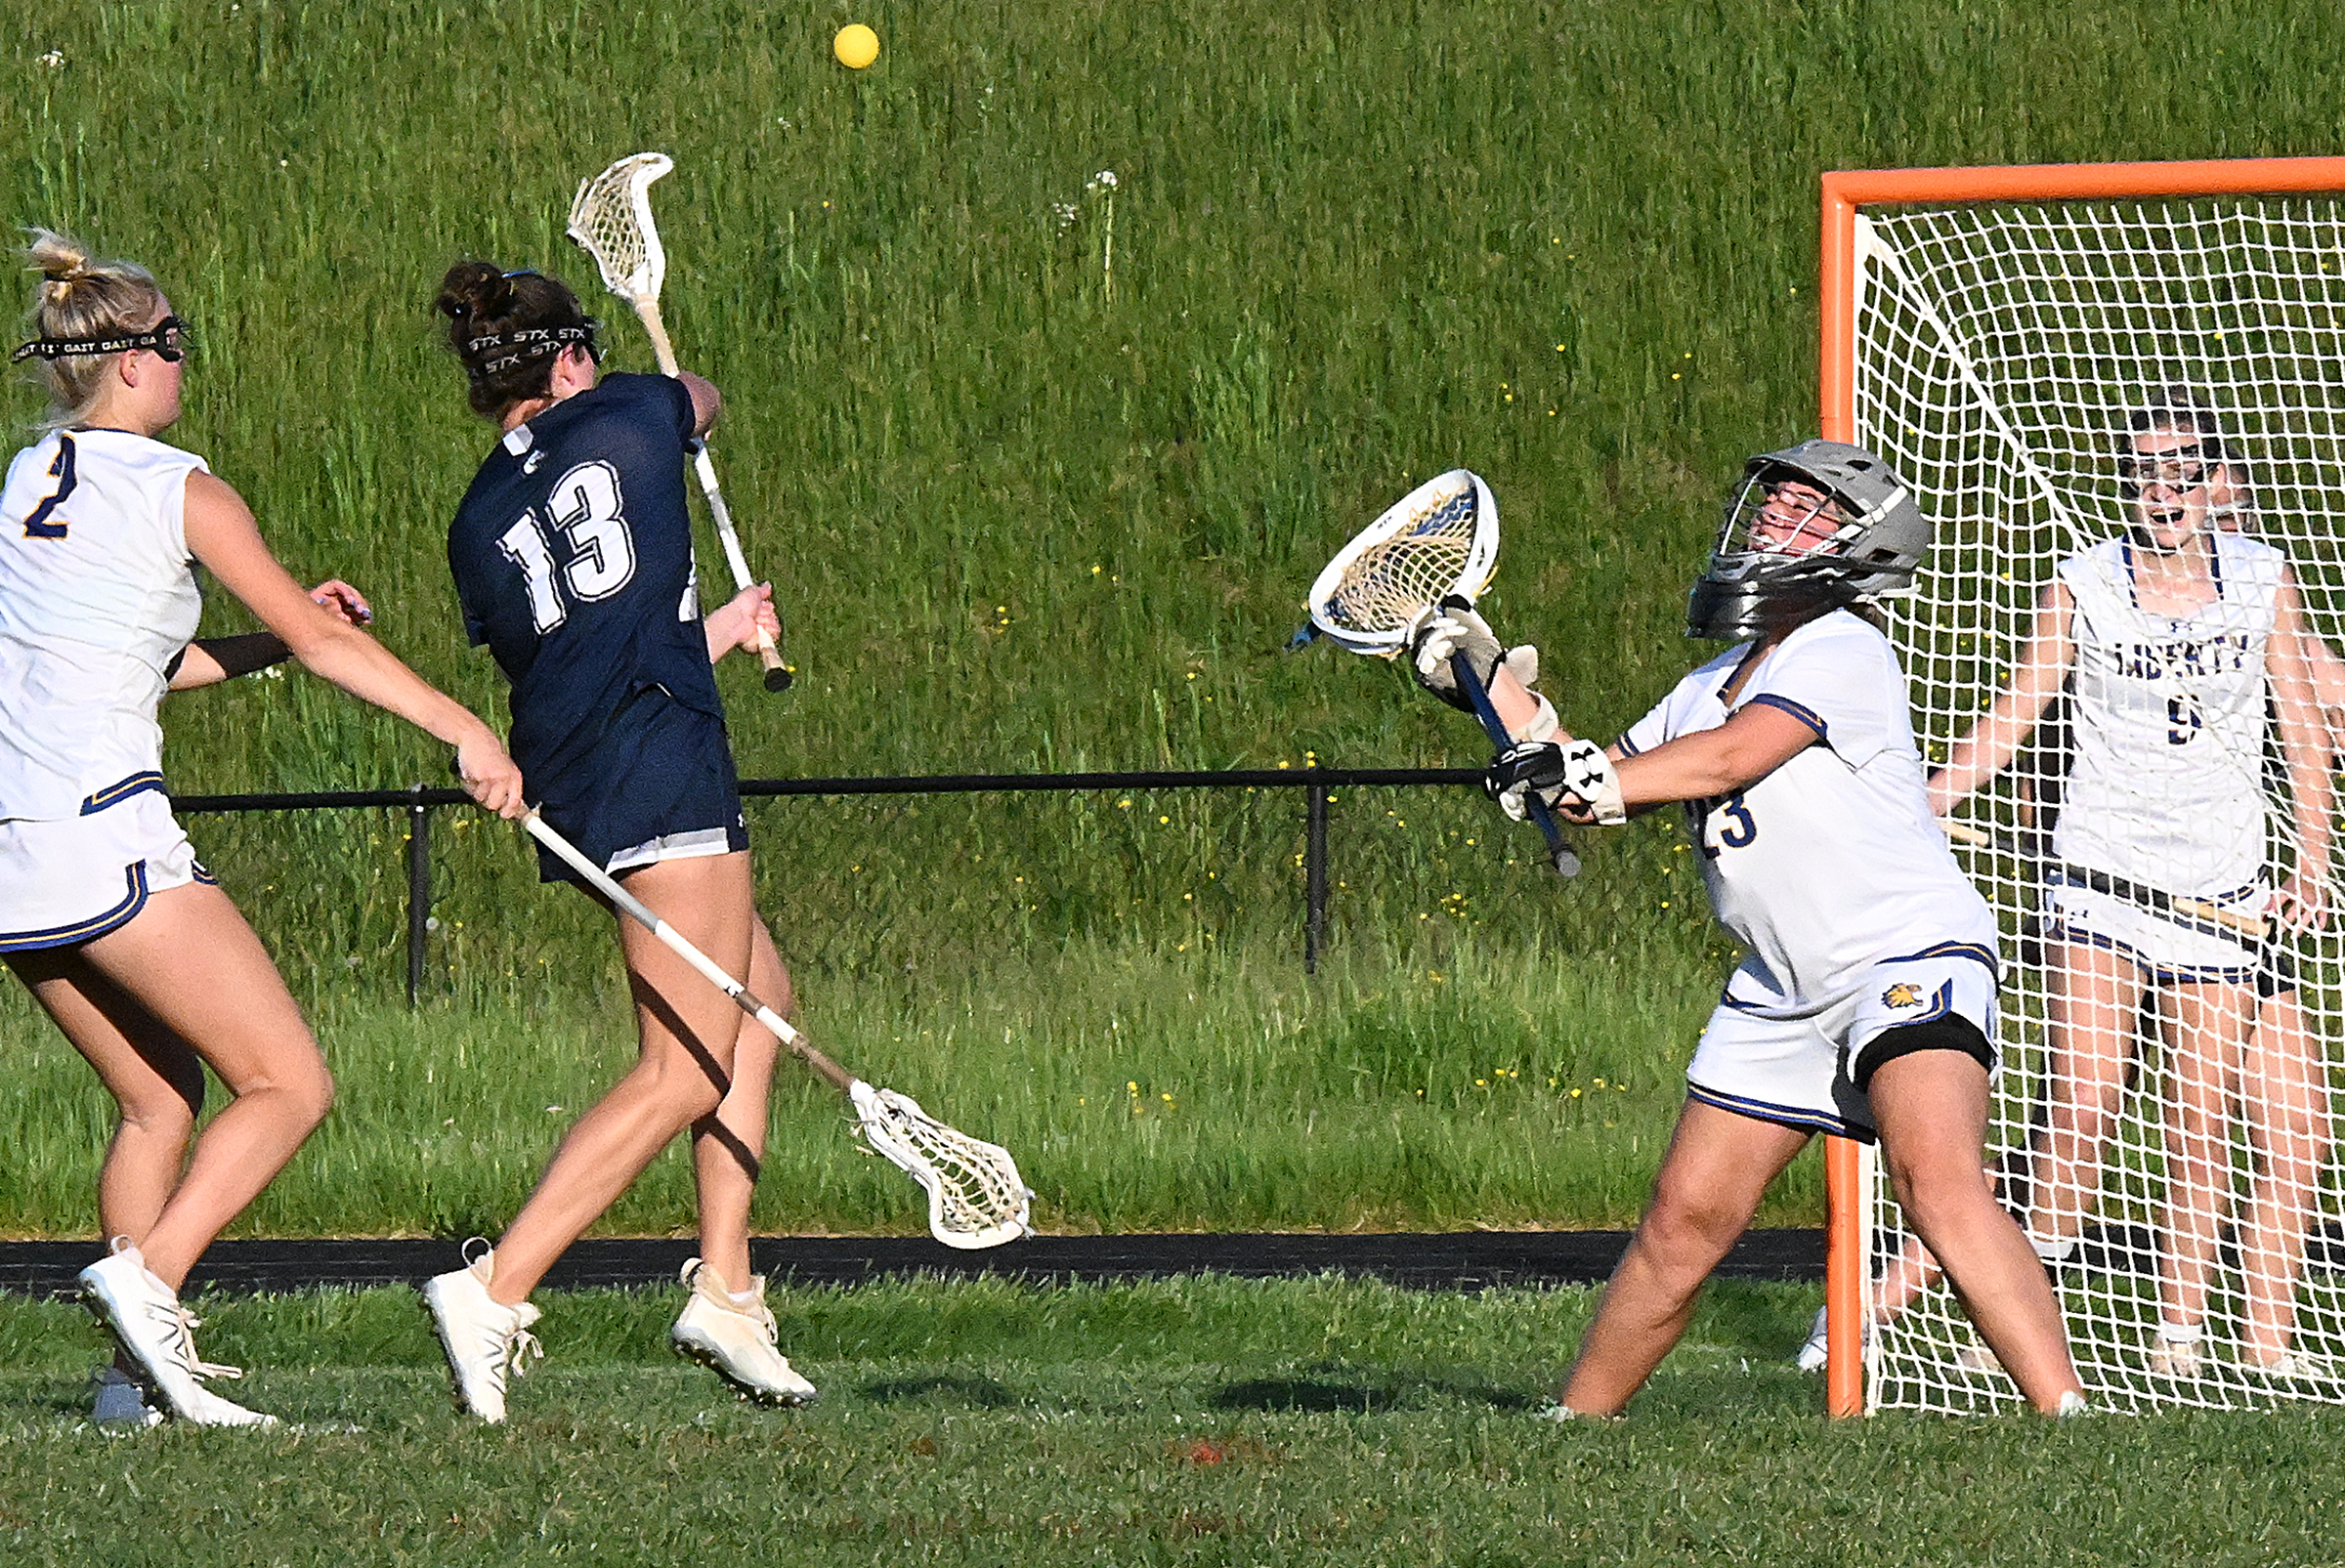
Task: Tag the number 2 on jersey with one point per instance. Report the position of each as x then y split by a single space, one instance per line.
37 524
603 552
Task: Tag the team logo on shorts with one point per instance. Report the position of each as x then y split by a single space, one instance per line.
1902 994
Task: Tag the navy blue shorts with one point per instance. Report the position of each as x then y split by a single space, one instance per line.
658 785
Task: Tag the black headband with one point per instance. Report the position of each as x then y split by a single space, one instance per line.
165 337
489 352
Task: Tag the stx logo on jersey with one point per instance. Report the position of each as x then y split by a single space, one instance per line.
1902 994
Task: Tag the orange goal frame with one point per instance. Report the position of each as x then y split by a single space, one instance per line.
1844 191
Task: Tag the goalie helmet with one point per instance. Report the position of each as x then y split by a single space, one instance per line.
1812 528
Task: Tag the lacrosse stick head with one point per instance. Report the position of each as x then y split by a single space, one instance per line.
611 220
1441 539
976 1198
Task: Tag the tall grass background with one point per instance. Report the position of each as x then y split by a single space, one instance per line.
1033 501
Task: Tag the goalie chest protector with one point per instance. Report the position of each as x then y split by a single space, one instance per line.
572 554
2170 717
1832 862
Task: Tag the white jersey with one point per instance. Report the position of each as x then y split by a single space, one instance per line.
2170 717
1832 864
97 597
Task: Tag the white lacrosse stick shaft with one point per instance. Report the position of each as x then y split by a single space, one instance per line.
892 1124
641 912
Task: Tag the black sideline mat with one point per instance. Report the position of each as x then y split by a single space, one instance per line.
1464 1260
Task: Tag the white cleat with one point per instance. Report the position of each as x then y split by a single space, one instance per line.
1813 1354
1562 1415
486 1340
2294 1366
2168 1359
736 1340
160 1333
1816 1351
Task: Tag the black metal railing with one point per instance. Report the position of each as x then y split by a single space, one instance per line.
421 802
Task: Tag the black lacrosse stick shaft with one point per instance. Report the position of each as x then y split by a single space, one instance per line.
1558 849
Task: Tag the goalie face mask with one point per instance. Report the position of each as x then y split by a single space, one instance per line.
1808 529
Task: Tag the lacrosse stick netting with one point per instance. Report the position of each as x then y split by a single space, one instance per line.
611 220
1441 539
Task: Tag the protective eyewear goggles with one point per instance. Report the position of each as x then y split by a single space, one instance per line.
169 340
2184 468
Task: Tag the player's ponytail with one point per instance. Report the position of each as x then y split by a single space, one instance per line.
81 298
507 328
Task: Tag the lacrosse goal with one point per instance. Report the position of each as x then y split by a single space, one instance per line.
1988 331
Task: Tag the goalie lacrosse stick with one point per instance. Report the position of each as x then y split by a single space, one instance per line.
1439 539
611 220
976 1198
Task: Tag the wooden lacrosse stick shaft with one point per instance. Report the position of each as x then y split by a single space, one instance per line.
647 309
838 1076
2254 928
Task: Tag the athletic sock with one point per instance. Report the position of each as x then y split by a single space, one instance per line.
2054 1250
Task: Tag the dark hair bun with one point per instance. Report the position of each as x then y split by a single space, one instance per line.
476 289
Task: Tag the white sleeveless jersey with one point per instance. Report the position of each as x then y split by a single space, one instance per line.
96 597
1831 863
2170 718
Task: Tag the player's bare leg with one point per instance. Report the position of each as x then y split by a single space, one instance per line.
688 1028
2211 1022
728 1145
1930 1109
2094 996
2285 1104
155 1078
1716 1168
194 968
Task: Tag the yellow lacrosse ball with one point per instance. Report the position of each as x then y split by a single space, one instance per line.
856 45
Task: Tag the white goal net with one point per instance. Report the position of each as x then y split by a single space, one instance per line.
2172 1130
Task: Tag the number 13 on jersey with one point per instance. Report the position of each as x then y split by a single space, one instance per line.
586 509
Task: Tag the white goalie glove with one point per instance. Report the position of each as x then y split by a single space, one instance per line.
1554 772
1451 627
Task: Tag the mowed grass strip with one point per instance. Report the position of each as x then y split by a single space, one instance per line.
1444 1088
1192 1421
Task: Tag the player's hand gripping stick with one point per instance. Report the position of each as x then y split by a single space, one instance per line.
1558 851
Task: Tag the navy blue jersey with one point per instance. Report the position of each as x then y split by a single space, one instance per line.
572 557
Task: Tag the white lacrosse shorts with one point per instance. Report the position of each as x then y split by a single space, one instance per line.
1795 1071
2173 948
76 878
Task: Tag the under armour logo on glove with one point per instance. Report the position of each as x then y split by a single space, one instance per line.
1550 772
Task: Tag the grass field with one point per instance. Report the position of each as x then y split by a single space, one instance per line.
1204 1421
1042 466
1026 510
